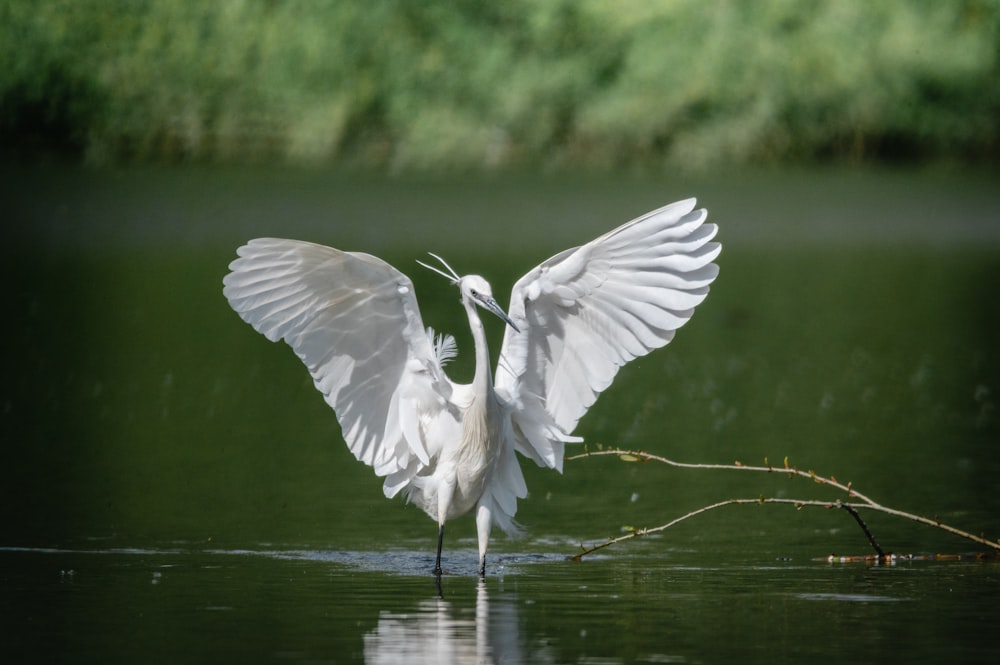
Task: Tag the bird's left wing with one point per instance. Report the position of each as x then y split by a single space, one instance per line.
589 310
354 321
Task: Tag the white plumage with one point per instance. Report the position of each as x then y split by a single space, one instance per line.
573 322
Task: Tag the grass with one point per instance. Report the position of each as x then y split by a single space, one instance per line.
465 85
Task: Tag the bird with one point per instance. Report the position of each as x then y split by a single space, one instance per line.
450 448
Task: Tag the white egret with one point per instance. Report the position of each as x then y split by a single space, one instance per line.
573 322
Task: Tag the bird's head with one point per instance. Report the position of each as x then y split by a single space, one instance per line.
474 289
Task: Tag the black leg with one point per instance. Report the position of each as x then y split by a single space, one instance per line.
437 563
482 567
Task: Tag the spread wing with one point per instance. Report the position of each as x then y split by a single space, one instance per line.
589 310
354 321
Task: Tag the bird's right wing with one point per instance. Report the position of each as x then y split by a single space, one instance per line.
589 310
354 321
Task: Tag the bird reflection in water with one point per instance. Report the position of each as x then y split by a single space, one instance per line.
438 631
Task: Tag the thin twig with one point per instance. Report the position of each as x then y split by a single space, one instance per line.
862 501
704 509
786 468
864 527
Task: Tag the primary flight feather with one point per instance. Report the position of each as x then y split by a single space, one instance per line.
573 321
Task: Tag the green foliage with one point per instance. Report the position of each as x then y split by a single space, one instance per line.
459 85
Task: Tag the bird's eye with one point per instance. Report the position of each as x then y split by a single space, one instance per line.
474 292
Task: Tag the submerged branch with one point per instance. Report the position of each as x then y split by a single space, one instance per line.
864 527
861 501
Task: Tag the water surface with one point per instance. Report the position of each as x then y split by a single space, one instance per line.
175 489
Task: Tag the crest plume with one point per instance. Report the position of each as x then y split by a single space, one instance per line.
453 277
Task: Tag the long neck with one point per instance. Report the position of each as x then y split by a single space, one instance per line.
482 382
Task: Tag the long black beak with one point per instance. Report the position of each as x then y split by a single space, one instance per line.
491 305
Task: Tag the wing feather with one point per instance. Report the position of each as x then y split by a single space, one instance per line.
354 322
589 310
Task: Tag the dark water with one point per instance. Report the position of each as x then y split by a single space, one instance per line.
174 488
322 606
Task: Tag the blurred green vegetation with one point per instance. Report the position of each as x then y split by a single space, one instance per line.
464 84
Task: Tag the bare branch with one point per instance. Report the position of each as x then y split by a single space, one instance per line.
861 501
864 527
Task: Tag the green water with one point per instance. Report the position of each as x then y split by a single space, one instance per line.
174 489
